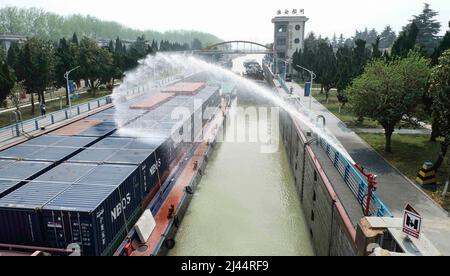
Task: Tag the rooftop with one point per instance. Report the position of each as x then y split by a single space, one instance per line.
186 88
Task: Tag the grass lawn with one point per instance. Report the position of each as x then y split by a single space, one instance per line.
409 154
346 115
5 118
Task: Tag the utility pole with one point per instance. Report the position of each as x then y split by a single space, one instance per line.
313 77
286 63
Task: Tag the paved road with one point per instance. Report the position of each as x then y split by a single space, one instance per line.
395 190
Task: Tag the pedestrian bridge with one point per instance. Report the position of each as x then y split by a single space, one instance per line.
236 47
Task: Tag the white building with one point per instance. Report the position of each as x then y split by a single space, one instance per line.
289 36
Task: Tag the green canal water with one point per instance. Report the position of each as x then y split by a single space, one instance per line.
246 204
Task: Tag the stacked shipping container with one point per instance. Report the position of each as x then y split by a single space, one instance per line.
103 178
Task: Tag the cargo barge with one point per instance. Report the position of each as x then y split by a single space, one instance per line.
82 188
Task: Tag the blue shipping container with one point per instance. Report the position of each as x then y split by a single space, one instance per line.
97 217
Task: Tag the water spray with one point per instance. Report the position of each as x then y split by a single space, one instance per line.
161 65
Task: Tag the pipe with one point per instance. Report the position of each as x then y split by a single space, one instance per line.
372 187
323 119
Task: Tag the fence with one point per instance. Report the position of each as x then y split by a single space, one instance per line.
356 183
22 128
283 84
352 178
25 127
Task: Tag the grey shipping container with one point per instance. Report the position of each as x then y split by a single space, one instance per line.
19 216
4 162
61 141
97 217
149 155
15 174
25 223
8 185
67 173
100 130
47 148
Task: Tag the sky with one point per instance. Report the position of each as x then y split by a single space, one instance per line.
245 19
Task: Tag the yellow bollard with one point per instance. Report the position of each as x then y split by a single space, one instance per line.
426 178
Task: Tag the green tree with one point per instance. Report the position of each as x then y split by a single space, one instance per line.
344 60
13 55
360 57
341 41
38 68
75 39
388 91
116 68
95 63
406 41
368 36
196 44
140 47
7 80
3 53
427 107
326 67
387 37
334 41
350 64
428 29
440 92
376 53
67 57
444 45
118 47
155 46
111 46
46 25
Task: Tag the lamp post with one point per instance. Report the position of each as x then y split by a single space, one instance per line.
313 77
66 76
286 62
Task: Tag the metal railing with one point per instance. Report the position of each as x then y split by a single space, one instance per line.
283 84
25 127
355 182
352 177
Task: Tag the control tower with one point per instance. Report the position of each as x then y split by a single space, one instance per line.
289 36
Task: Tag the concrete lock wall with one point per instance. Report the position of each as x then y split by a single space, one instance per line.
331 231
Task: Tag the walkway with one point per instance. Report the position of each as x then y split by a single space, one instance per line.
395 190
35 133
24 104
397 131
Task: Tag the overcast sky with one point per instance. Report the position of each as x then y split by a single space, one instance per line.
245 19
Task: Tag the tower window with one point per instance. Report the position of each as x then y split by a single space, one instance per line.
297 27
297 41
281 41
282 29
